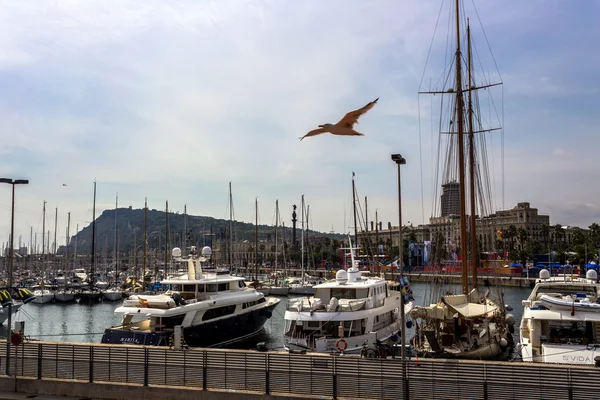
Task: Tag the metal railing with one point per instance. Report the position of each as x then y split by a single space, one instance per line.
317 375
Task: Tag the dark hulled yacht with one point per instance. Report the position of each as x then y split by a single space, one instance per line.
211 309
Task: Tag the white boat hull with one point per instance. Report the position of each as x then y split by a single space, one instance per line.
111 295
353 343
42 298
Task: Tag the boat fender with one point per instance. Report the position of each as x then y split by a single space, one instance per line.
409 324
510 319
503 343
396 312
341 345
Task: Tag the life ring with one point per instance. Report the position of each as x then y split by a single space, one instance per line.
341 345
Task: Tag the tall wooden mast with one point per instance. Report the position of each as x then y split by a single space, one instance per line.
461 156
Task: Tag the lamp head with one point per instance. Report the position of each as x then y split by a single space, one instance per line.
398 159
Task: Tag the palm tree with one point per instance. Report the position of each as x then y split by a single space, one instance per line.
559 234
511 235
546 235
523 237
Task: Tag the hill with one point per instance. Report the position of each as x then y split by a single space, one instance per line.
201 230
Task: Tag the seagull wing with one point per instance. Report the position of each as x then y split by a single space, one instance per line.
351 118
315 132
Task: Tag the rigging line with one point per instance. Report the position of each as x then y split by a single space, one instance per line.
431 44
421 159
486 39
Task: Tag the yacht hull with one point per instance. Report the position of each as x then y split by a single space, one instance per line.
64 297
354 344
219 333
112 295
43 298
87 297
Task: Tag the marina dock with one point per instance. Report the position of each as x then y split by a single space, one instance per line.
135 373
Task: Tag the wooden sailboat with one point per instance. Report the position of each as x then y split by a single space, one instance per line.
467 325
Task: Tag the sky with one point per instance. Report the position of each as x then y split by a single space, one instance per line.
174 100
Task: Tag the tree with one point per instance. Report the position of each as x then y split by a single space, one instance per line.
523 237
546 236
595 235
510 235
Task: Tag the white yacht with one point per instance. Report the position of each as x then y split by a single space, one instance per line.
112 294
210 308
343 314
42 296
561 320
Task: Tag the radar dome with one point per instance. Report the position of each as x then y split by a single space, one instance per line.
544 274
206 251
592 274
176 252
341 277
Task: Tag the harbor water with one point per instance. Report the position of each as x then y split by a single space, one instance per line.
84 323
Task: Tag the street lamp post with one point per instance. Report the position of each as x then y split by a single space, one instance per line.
399 160
10 262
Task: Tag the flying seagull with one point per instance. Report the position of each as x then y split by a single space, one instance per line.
344 127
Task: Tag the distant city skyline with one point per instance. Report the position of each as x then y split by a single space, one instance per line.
173 101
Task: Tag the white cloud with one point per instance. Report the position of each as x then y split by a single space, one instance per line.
173 100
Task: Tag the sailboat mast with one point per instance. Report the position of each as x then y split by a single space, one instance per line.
461 156
366 241
256 239
377 242
115 243
230 227
166 236
354 213
302 237
145 249
43 243
471 165
55 227
75 250
92 272
184 227
276 223
67 245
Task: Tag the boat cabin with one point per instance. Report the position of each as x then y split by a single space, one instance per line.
201 291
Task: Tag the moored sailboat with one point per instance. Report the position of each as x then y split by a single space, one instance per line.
467 325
